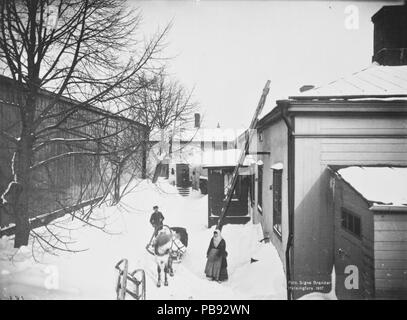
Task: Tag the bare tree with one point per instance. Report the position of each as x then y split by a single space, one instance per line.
88 50
164 106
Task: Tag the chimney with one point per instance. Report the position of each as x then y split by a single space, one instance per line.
306 87
197 120
390 36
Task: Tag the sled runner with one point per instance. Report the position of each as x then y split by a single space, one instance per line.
133 283
179 242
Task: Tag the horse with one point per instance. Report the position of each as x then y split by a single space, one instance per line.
162 252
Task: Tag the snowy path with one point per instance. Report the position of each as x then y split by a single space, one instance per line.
91 275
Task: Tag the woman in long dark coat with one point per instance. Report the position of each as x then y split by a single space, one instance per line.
216 264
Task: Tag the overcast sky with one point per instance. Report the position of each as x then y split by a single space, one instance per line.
228 49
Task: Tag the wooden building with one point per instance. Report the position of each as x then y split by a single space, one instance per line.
220 170
304 136
189 146
358 120
369 207
72 180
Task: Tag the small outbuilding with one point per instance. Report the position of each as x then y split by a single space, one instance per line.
370 231
220 166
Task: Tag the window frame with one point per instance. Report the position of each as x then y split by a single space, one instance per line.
260 171
345 225
236 192
277 212
225 145
252 190
260 136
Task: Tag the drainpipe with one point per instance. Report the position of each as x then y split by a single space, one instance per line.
290 171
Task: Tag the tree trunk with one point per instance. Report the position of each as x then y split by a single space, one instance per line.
170 147
117 182
144 160
144 154
21 170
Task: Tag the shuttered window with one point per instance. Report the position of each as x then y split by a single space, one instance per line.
351 222
260 188
252 190
277 198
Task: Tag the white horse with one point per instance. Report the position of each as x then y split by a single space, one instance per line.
162 252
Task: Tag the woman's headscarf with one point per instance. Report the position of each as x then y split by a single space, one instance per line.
216 240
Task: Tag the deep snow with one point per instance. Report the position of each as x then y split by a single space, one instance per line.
91 275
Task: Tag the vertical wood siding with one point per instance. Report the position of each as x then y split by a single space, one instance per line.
390 249
63 181
364 141
360 249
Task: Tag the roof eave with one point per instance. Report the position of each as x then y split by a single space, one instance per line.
388 208
80 105
274 115
347 97
395 107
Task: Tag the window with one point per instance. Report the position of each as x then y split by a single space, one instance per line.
252 190
351 223
260 188
202 145
213 145
225 145
260 134
227 180
277 197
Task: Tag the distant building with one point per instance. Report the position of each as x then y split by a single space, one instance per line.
186 149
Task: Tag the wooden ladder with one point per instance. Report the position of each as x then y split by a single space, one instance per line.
248 138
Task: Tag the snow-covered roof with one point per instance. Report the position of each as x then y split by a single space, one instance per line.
379 185
224 158
201 134
211 158
375 81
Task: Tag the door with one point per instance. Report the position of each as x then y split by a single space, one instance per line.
349 265
182 175
215 191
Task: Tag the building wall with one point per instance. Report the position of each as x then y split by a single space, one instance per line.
66 181
390 250
60 182
274 141
188 152
354 250
334 140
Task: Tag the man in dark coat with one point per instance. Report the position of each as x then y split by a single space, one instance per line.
156 220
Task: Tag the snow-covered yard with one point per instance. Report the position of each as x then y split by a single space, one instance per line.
91 275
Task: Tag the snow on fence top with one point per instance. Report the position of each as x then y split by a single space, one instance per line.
382 185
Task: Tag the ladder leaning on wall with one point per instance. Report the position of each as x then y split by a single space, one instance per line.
248 138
